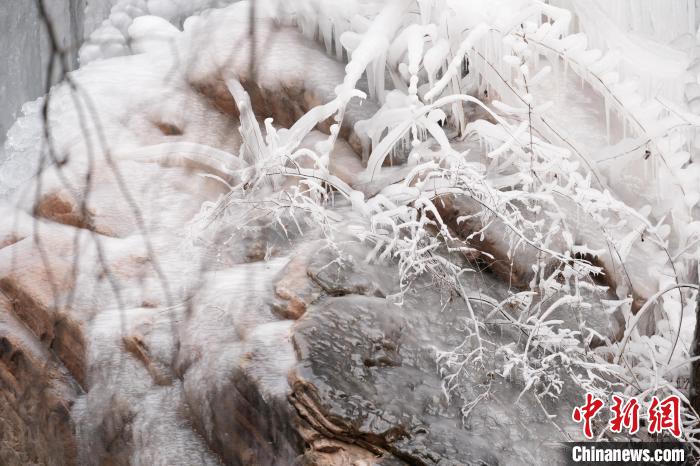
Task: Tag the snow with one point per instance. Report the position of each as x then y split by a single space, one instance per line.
559 134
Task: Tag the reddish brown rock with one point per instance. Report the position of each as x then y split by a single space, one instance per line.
63 207
123 197
37 279
36 394
324 451
295 287
56 282
135 345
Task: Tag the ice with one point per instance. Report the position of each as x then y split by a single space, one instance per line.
112 37
194 150
647 53
26 51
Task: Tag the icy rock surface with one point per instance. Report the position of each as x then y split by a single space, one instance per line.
26 51
102 24
248 343
367 375
173 351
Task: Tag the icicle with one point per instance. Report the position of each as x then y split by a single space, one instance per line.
374 43
456 62
435 58
250 130
338 43
607 116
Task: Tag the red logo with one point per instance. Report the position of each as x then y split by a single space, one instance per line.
586 413
626 416
663 415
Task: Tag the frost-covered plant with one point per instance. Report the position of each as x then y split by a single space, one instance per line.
538 181
479 108
558 159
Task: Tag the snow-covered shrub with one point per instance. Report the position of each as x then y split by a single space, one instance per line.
497 134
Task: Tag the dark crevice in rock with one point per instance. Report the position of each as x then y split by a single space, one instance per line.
115 432
486 256
242 427
347 274
169 129
135 345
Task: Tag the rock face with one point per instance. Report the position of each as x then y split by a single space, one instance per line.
36 395
28 50
126 339
248 359
368 376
